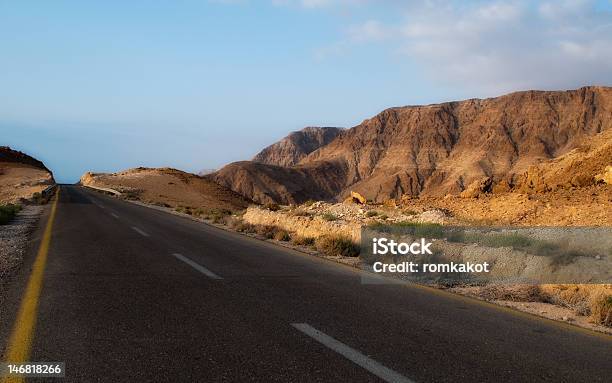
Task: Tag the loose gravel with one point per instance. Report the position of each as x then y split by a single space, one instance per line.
14 239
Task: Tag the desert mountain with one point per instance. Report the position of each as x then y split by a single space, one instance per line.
168 187
21 175
434 150
297 145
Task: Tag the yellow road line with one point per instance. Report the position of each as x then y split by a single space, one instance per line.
20 342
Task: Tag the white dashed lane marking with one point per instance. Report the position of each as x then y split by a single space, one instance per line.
196 266
353 355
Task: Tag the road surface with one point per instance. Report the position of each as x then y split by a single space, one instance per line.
133 294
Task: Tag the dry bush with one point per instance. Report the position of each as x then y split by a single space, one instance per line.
329 217
272 206
300 213
241 226
266 231
282 235
515 293
8 212
337 245
601 309
302 241
589 300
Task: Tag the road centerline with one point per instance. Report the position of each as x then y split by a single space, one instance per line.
197 266
353 355
140 231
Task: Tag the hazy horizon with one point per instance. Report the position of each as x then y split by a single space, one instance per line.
196 85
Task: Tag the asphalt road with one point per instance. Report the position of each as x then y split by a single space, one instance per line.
132 294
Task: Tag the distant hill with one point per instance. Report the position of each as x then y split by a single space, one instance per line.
168 187
297 145
430 150
21 176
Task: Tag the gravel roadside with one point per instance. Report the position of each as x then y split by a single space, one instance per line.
14 239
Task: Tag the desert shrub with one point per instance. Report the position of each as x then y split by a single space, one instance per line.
383 217
337 245
300 213
281 235
329 217
8 212
515 293
241 226
601 310
266 231
302 241
38 198
372 213
198 212
271 206
131 194
516 241
425 230
410 212
309 202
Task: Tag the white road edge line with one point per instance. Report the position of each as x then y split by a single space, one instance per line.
196 266
140 231
353 355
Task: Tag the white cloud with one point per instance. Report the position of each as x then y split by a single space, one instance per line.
320 3
493 47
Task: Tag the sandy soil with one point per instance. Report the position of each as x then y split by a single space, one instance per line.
168 187
19 181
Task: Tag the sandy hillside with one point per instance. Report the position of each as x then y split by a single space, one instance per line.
21 176
168 187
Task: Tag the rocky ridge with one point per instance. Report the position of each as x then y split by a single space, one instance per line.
435 150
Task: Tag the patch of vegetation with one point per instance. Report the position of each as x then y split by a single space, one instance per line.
300 213
267 231
410 212
302 241
38 198
309 202
329 217
337 245
601 310
383 217
425 230
132 195
559 254
271 206
241 226
218 215
8 212
282 235
372 213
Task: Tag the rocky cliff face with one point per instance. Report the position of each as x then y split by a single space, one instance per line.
434 150
8 155
297 145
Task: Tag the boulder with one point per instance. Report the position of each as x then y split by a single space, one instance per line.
478 187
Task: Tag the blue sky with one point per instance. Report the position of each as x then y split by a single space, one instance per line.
105 86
